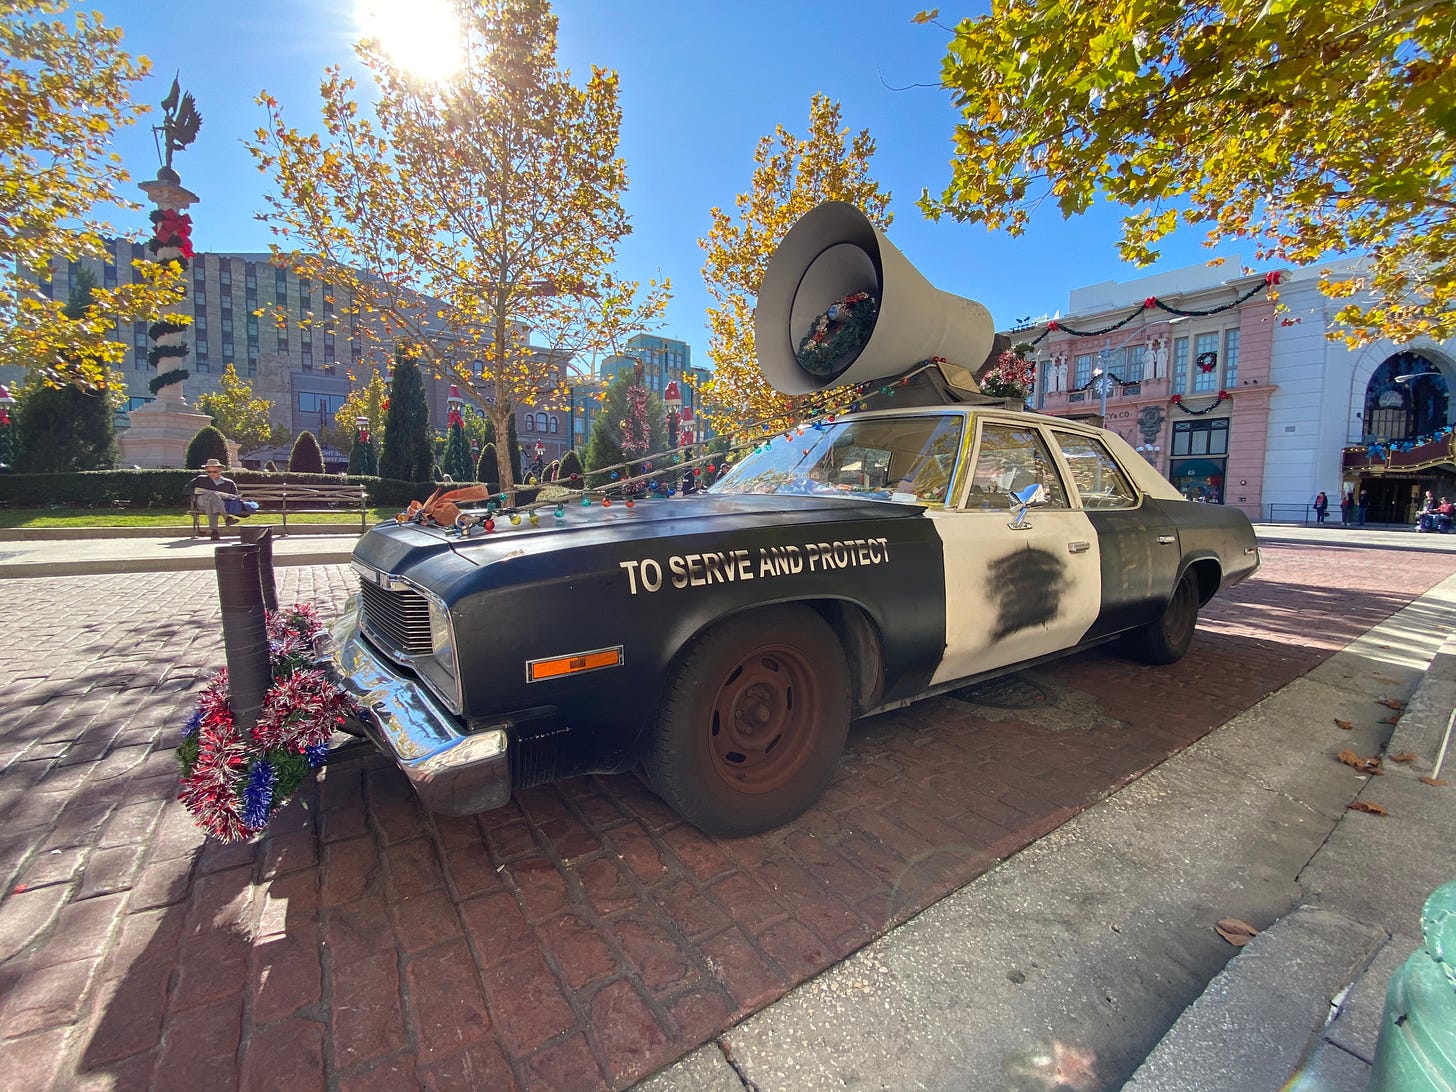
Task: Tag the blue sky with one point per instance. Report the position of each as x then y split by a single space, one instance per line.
700 84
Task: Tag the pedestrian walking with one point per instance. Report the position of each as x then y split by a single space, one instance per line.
1363 508
1321 507
1347 509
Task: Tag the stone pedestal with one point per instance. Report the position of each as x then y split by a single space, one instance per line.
158 435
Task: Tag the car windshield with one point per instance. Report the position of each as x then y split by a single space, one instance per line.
908 460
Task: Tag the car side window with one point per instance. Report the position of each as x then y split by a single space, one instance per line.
1100 482
1008 460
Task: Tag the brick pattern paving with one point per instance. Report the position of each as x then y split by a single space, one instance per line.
581 937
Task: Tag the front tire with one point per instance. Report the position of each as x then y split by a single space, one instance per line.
1166 639
753 719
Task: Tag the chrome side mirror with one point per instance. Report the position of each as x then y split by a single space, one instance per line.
1033 496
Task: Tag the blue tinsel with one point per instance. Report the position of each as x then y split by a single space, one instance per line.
194 722
318 754
258 796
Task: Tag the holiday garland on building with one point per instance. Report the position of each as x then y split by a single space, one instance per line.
233 779
1269 281
1222 397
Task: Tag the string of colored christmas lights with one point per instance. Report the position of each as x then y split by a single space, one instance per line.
822 408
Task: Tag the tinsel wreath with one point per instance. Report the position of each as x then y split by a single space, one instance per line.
235 780
840 332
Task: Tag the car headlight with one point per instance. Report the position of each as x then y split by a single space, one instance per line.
441 639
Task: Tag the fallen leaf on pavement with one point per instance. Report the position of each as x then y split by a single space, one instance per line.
1405 756
1391 703
1389 720
1364 765
1366 806
1236 932
1437 782
1345 724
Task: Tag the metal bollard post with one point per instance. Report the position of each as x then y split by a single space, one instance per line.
262 537
244 631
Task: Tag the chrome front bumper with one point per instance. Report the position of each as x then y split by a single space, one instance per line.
453 773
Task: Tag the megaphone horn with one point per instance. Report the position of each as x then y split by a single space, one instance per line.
815 330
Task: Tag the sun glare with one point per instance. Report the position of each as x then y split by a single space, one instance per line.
420 36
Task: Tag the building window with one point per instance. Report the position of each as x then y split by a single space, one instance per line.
108 275
227 347
252 366
307 349
540 422
225 277
1206 348
530 423
1200 437
1083 374
283 341
1231 358
553 423
1180 365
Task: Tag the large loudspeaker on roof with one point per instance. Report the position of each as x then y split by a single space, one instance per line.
834 252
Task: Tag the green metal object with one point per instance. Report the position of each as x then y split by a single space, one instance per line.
1417 1047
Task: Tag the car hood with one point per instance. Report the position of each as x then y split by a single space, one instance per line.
395 547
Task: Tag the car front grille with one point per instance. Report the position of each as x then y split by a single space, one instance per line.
398 618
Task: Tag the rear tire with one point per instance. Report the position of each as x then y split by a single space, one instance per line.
753 719
1166 639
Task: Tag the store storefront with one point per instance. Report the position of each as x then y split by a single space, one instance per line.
1199 458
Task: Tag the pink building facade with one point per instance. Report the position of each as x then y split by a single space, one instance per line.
1179 365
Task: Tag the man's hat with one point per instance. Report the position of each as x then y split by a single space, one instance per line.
213 463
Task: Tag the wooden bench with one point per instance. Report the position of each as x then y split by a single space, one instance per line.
284 499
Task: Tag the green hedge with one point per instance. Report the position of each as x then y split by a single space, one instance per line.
164 488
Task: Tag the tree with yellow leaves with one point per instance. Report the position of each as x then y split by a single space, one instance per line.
790 177
237 413
1312 129
471 212
65 89
369 402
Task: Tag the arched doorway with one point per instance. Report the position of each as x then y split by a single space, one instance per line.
1407 403
1406 399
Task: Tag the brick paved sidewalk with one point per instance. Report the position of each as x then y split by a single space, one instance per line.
580 937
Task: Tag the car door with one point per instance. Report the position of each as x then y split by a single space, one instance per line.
1139 545
1016 589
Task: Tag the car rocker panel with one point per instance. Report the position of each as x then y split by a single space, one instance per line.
726 639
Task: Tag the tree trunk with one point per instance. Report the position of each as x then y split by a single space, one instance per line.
501 419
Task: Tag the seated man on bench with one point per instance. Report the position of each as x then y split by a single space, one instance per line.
208 490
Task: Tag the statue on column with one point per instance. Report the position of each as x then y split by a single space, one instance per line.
159 431
180 123
1060 360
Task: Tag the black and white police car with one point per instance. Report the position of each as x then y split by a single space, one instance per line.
725 641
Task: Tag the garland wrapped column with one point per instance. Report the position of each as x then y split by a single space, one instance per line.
171 242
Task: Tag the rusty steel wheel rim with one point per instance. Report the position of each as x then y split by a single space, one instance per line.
763 719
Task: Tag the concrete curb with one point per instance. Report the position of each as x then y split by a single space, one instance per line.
32 534
110 566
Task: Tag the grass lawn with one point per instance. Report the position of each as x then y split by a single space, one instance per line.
157 517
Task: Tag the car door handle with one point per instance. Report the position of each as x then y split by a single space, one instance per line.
1078 547
1167 540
